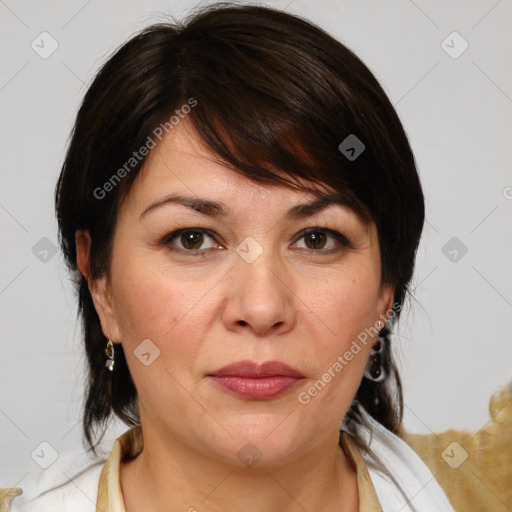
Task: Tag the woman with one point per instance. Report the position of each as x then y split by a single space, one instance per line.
240 205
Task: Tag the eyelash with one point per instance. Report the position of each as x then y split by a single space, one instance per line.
340 238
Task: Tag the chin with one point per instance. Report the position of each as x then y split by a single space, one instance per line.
264 444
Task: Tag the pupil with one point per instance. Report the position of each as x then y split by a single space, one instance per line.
317 238
192 238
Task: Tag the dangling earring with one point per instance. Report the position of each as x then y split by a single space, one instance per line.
374 369
109 351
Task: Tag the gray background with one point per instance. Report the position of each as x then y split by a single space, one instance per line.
455 341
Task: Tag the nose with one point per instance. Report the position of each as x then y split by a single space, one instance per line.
260 297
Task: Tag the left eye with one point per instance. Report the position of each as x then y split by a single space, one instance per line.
316 239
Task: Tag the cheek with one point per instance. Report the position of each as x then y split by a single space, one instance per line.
151 306
152 309
342 326
344 310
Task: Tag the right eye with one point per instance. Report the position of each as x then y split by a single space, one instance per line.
189 240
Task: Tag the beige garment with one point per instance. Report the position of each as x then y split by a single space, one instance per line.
474 469
6 495
130 444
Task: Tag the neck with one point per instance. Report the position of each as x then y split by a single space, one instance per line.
167 473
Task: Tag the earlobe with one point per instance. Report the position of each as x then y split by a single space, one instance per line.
97 287
103 305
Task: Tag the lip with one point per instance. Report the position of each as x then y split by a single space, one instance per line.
254 370
254 381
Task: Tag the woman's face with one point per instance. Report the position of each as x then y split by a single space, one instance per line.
246 284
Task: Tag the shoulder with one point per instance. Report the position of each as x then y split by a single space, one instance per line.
77 482
77 494
398 474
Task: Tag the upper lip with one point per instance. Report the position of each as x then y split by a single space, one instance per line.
250 369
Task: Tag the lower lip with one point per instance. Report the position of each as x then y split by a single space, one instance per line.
263 388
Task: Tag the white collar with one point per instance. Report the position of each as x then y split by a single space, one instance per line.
410 472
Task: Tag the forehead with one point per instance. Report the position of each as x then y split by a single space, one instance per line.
181 169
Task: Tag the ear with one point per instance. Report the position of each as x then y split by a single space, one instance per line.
385 302
99 289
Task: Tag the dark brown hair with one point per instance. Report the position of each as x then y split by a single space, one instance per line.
271 91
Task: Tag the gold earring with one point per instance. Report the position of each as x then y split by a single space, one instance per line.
109 351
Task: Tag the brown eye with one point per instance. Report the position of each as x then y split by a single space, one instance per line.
315 239
189 240
323 241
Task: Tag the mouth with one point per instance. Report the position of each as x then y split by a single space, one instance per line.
255 381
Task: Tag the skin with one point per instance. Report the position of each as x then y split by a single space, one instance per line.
294 303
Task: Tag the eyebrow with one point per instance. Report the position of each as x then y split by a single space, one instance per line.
216 209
